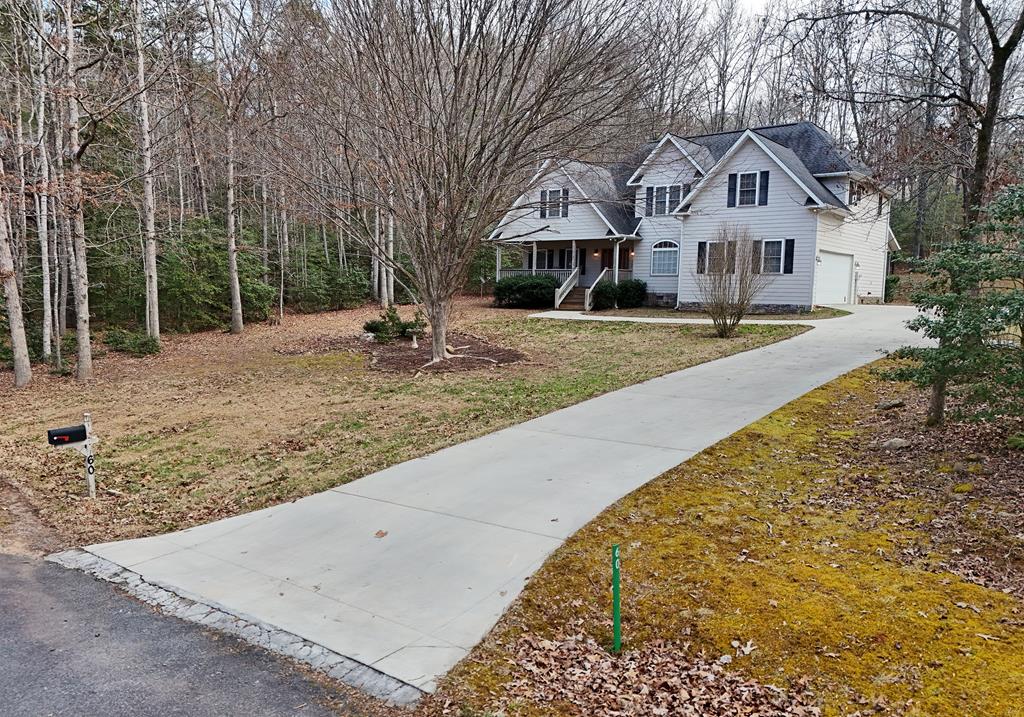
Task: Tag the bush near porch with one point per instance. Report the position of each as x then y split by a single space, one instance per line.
526 292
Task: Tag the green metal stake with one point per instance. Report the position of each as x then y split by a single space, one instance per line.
616 617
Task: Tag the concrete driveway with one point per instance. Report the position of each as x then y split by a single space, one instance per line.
406 569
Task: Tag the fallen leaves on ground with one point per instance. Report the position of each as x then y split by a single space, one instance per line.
658 679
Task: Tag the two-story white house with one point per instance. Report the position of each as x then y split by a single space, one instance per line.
821 221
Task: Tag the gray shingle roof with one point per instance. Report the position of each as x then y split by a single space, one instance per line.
793 163
803 147
814 146
605 188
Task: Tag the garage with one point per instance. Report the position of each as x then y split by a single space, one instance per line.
835 279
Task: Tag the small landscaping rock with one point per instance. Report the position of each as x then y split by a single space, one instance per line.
889 405
895 444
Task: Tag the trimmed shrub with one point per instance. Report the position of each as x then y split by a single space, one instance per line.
603 296
526 292
135 343
390 326
632 293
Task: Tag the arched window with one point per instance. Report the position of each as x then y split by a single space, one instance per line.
665 258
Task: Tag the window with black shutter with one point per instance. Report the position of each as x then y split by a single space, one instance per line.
664 199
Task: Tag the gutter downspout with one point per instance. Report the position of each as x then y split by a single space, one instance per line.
679 262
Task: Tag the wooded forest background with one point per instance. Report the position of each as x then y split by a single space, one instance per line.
190 164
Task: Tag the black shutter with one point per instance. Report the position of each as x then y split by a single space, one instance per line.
649 209
581 262
755 256
762 192
787 264
730 257
732 191
702 257
543 204
565 203
673 197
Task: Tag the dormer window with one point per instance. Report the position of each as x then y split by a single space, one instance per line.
664 199
748 189
856 193
554 203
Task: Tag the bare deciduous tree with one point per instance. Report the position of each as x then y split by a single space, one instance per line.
729 278
460 101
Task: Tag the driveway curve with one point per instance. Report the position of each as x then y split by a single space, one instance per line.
405 570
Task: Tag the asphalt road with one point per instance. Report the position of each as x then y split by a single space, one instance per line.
72 645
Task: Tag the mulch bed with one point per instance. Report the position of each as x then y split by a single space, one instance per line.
472 353
970 480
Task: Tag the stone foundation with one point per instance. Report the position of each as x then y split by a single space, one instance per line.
756 308
667 300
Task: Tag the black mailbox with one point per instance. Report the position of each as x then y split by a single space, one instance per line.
66 436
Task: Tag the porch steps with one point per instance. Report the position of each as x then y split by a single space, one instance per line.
574 301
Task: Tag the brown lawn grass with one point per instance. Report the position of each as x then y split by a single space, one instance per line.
217 425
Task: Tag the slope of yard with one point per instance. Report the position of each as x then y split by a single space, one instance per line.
217 425
797 553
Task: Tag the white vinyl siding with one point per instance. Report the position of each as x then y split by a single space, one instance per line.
865 236
526 223
783 217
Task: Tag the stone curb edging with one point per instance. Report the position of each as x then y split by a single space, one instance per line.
338 667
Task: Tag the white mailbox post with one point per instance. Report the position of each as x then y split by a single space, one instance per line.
80 438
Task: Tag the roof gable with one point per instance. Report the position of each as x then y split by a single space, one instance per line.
786 160
690 151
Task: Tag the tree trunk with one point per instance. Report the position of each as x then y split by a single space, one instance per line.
12 297
236 290
438 313
148 199
937 403
76 207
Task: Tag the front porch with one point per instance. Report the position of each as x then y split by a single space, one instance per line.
577 266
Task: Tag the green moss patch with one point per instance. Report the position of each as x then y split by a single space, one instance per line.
756 541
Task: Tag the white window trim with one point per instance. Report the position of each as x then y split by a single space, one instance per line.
740 190
782 256
669 209
655 248
559 205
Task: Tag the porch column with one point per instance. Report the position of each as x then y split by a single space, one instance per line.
533 269
575 255
497 262
615 262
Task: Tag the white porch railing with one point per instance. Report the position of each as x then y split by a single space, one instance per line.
587 300
560 274
568 285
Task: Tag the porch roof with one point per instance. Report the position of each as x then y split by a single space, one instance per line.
566 240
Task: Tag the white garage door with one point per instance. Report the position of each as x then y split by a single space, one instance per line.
835 279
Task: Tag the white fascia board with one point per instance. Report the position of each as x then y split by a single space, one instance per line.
688 199
634 181
519 200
